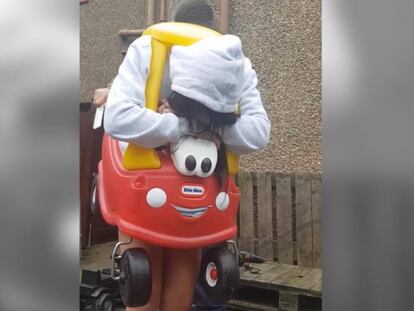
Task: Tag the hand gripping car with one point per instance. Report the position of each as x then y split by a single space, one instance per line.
160 199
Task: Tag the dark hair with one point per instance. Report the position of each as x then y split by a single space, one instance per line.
195 12
203 119
193 110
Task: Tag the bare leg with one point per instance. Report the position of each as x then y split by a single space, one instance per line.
180 270
156 256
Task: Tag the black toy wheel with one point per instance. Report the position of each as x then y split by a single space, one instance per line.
94 200
135 283
220 274
104 302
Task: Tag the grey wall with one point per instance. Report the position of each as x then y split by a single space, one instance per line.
100 45
283 40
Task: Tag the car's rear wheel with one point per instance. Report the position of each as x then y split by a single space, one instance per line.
220 274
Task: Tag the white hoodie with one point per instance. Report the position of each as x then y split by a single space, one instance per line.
126 119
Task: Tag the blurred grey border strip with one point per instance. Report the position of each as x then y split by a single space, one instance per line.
39 157
368 155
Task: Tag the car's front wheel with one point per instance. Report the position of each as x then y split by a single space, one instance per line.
135 282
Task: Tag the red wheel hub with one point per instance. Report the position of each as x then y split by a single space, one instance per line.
213 274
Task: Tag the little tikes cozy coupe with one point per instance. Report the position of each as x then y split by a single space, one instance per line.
143 194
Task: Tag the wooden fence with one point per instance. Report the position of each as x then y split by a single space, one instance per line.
280 216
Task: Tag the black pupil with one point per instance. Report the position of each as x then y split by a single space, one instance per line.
190 163
206 165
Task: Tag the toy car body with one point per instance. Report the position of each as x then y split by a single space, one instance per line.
163 207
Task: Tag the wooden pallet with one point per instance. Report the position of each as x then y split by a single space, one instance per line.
280 217
287 282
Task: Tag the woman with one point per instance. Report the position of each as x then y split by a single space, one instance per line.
209 78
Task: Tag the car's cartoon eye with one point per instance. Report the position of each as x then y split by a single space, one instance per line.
156 197
194 156
190 163
206 165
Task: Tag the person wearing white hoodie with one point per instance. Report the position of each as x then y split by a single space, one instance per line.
213 73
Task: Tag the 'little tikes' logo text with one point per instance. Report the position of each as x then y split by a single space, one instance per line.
192 190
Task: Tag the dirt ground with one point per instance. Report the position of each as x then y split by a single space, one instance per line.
97 256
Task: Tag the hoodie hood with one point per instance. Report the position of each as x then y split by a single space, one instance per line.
210 71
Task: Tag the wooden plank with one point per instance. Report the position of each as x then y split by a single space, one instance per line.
263 268
274 216
306 281
238 304
284 218
292 274
316 191
304 220
284 277
318 286
273 273
284 282
288 301
264 216
246 228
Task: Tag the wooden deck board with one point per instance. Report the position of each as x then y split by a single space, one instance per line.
291 276
317 286
264 267
308 280
249 306
298 280
273 273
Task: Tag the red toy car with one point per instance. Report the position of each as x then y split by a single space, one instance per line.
157 204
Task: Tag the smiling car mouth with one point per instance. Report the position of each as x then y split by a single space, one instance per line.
191 212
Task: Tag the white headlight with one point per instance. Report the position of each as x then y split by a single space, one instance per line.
222 201
156 197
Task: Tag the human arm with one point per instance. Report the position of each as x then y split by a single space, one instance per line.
252 130
126 117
